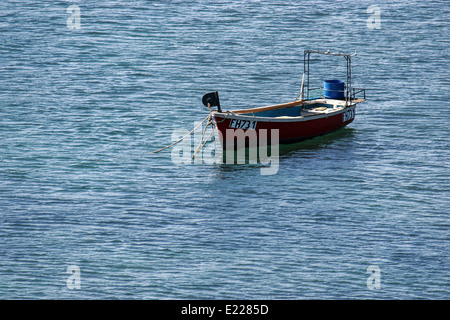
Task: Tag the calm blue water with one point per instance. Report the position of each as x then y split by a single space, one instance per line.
81 111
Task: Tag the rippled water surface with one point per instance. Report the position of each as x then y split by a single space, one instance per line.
81 111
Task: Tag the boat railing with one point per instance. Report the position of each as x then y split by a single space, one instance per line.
357 93
317 93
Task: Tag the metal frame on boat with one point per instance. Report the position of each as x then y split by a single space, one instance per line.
295 121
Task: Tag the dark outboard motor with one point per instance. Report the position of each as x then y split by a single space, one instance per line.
212 100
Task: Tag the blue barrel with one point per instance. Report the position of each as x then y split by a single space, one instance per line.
334 89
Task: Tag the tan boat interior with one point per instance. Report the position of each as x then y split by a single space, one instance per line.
297 108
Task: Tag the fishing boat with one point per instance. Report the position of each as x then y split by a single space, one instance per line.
309 115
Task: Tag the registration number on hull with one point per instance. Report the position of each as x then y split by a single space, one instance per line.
243 124
348 115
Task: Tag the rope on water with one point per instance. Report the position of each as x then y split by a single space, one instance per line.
201 144
199 148
187 135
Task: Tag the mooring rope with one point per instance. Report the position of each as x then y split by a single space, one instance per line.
201 144
187 135
199 148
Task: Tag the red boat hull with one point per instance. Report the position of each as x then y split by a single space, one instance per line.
289 130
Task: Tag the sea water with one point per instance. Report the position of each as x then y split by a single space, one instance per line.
89 89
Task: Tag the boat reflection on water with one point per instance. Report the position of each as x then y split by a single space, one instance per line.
269 158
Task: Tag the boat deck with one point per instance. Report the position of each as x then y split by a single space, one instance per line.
297 109
306 107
